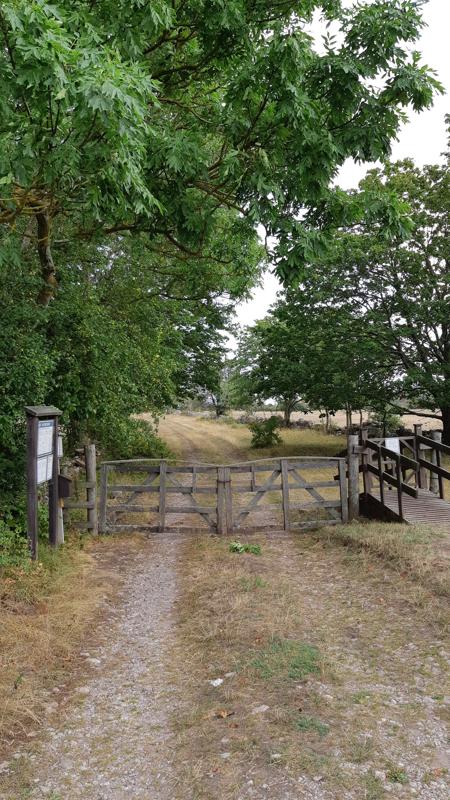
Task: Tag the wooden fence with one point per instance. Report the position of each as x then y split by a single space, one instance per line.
272 494
85 494
415 471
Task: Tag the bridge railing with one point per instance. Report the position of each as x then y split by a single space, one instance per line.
399 463
422 470
432 465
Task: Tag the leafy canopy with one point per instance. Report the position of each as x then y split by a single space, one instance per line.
154 116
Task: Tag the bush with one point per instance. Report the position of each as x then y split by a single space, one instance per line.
132 438
264 432
13 545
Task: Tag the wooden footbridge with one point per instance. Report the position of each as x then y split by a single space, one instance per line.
404 479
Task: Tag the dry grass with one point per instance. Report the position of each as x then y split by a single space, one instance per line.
220 442
46 610
319 635
415 550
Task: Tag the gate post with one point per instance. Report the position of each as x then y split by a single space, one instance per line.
221 510
285 492
224 501
103 497
91 487
353 476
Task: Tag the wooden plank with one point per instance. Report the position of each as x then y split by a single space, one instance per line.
387 478
193 501
315 485
285 492
86 504
434 444
267 486
353 476
53 495
82 525
90 458
443 473
202 510
32 501
103 497
135 508
311 491
228 500
162 495
132 467
322 504
221 508
343 490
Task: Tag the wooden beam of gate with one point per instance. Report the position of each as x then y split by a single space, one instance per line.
269 484
307 487
194 508
285 492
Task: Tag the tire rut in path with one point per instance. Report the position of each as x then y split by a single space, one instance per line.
117 742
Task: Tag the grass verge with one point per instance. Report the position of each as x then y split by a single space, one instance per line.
290 661
417 551
46 608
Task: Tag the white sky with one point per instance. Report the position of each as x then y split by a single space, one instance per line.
423 138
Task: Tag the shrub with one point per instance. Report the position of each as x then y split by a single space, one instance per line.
13 545
264 432
132 438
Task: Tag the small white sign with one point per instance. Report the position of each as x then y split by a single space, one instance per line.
45 437
393 443
44 469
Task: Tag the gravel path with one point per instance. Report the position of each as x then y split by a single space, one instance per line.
115 742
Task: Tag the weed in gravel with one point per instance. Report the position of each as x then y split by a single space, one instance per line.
312 724
238 547
373 786
287 659
396 775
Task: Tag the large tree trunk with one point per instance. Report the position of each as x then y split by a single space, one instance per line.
46 259
287 414
446 425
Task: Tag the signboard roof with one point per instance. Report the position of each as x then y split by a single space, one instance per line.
43 411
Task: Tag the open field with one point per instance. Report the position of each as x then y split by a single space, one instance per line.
313 671
339 420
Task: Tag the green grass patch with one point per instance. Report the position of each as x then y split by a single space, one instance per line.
239 547
306 724
250 584
285 658
373 786
396 775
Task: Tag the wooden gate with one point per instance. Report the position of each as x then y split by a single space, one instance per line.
272 494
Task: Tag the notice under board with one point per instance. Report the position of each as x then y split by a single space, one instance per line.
44 469
45 437
393 443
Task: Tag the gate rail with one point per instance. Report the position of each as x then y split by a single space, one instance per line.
236 494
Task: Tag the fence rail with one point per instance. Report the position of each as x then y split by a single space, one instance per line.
391 468
271 494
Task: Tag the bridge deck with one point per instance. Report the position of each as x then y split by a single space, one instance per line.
427 508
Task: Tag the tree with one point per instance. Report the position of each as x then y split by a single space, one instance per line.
398 290
154 117
316 355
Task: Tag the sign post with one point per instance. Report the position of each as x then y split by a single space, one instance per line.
42 466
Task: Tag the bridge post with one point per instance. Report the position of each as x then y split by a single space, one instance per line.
353 476
434 480
418 449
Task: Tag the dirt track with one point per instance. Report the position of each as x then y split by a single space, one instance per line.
143 723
